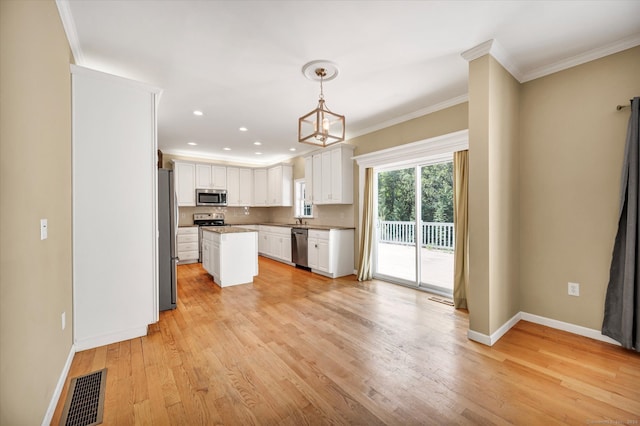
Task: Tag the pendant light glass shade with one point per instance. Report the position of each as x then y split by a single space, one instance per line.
321 127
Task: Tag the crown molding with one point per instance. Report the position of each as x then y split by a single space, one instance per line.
501 56
591 55
478 51
419 113
230 160
493 48
78 70
70 29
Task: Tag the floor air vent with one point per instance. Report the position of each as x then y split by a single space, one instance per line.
85 400
443 301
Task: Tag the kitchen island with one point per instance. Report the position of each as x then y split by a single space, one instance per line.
230 254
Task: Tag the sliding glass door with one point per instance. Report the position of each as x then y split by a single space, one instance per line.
436 253
414 231
396 213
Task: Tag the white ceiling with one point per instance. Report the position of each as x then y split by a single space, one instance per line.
240 61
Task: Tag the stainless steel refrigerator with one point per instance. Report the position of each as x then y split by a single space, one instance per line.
167 229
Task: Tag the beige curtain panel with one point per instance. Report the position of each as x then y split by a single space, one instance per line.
366 238
461 226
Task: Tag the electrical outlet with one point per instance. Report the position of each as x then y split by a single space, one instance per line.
574 289
43 229
64 320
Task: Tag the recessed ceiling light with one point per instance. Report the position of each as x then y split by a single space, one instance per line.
226 148
243 129
292 149
258 153
192 143
196 112
257 143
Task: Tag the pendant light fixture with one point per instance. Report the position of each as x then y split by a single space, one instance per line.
321 127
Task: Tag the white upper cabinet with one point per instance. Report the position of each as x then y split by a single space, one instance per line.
316 189
308 179
211 177
239 186
280 185
245 186
331 175
260 187
327 178
185 183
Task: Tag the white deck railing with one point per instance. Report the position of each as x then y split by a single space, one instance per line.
434 234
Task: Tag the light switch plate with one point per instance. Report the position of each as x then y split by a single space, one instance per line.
574 289
43 229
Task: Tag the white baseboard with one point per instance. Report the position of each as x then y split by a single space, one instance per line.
571 328
537 319
107 339
495 336
58 390
479 337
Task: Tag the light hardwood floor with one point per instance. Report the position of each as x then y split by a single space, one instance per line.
296 348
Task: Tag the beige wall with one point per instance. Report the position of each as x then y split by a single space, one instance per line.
572 145
479 271
35 183
493 195
438 123
504 220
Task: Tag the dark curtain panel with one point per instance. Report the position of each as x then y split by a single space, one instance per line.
621 317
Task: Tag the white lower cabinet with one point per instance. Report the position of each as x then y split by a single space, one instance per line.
215 257
231 258
263 247
206 255
318 251
187 244
211 253
275 242
330 252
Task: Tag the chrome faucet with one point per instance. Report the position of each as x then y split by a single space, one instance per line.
299 220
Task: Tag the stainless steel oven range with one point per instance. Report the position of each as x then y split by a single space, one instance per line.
206 219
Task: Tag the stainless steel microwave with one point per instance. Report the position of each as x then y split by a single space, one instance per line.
211 197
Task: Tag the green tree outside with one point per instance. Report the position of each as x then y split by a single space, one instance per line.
396 194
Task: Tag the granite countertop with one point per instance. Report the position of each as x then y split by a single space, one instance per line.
309 226
226 229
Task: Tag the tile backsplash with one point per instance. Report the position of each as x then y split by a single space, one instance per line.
331 215
232 215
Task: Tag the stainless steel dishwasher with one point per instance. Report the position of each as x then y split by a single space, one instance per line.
299 238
